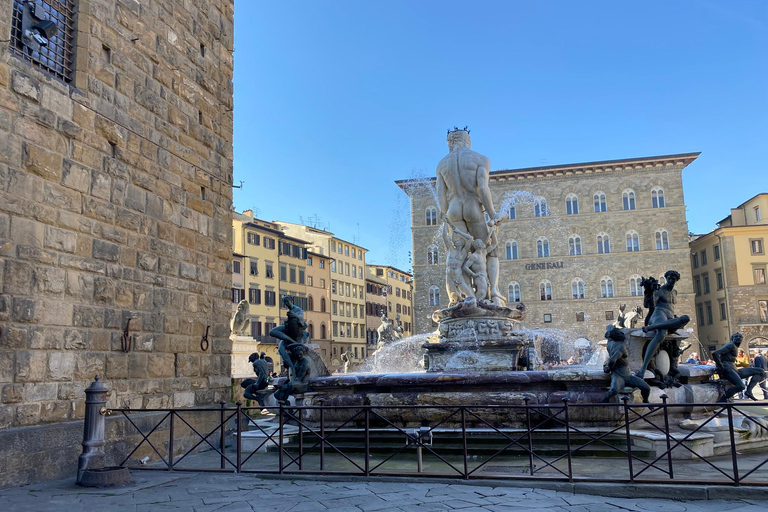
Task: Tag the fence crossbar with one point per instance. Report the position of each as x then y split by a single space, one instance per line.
205 439
762 427
416 442
269 437
320 440
145 437
514 442
679 442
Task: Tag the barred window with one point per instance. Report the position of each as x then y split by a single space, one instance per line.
56 56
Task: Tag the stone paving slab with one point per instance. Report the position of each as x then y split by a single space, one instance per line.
216 492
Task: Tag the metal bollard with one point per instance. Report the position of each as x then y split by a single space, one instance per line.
93 457
91 470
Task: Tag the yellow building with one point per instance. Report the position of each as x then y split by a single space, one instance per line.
347 264
729 277
399 295
318 312
255 279
376 291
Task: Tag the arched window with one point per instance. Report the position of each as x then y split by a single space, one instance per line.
633 241
600 205
322 331
657 198
635 289
603 243
606 287
512 214
432 255
577 288
511 250
662 240
571 204
574 245
542 247
540 207
513 292
545 290
310 303
322 304
434 296
311 331
628 197
431 216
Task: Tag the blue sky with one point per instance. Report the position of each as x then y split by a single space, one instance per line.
335 100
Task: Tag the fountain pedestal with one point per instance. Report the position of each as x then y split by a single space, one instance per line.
477 336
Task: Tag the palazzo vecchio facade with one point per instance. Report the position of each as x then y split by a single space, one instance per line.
577 239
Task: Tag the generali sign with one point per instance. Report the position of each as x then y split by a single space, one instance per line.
544 266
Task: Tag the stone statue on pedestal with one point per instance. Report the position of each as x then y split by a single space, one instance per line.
725 359
618 366
628 320
663 319
464 199
345 360
456 282
240 323
387 332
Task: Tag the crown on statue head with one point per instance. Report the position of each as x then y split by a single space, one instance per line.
457 129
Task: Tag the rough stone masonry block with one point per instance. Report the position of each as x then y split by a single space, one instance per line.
27 231
60 239
26 86
27 414
106 251
42 162
31 365
61 366
76 177
24 310
6 365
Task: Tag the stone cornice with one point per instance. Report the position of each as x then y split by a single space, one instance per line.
681 160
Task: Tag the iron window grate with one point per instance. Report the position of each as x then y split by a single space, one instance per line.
57 57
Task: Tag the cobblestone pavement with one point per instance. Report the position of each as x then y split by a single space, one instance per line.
204 492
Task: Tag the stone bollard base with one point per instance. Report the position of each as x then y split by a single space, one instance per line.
105 477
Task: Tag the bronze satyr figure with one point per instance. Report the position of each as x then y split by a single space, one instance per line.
725 359
618 366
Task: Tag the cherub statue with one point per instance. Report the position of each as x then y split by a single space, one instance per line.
455 280
475 265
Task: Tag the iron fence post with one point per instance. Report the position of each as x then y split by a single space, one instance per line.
624 399
239 427
729 408
300 413
530 434
222 439
170 442
464 441
668 435
280 440
367 440
568 439
322 435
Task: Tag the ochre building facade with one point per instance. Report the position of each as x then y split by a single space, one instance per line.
575 242
729 267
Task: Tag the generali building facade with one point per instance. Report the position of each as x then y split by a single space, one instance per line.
576 240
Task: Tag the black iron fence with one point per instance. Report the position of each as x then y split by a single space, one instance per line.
723 443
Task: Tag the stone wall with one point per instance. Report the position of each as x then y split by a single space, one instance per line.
115 195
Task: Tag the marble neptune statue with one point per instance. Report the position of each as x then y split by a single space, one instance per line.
464 199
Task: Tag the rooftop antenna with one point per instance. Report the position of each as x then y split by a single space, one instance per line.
314 221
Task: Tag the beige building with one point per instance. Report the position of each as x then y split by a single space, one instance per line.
729 272
376 290
255 279
116 173
347 262
577 239
399 295
318 312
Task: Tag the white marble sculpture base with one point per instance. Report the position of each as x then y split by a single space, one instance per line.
242 348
